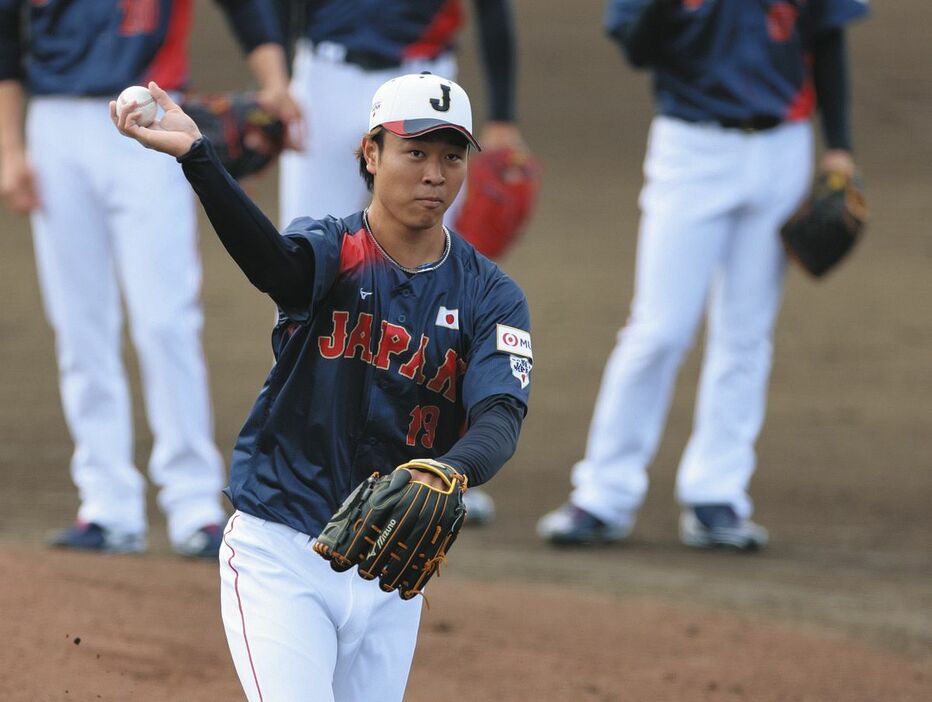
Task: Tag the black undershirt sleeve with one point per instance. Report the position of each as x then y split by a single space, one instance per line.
253 21
279 266
490 441
830 75
640 38
497 46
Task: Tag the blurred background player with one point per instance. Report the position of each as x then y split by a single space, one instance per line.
107 218
345 50
728 161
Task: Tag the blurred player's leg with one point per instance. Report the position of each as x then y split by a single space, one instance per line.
719 460
81 299
159 267
324 179
679 249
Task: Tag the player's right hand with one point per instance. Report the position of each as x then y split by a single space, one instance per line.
18 183
173 134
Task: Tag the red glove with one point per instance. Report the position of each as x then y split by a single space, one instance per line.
501 189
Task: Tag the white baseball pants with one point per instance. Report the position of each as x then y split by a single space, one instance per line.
335 98
299 631
712 205
118 217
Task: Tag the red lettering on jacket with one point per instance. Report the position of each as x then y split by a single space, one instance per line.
414 368
139 17
361 338
394 340
332 346
446 375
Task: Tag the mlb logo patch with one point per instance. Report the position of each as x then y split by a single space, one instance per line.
521 369
448 318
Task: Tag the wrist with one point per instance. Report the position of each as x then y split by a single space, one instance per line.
12 149
267 62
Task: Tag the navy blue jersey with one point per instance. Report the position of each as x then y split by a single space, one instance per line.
737 59
392 29
99 47
381 367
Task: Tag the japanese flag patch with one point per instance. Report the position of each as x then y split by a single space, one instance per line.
448 318
521 369
513 340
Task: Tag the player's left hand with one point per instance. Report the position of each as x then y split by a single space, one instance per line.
838 161
430 479
279 101
18 187
173 134
502 135
397 528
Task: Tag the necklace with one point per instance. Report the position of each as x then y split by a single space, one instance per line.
406 269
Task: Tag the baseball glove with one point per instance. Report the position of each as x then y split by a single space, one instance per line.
247 137
828 224
395 528
500 191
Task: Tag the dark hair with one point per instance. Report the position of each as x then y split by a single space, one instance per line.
451 136
378 136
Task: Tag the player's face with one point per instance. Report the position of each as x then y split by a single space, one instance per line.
416 180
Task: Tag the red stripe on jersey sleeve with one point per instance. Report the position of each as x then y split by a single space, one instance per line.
439 34
804 103
169 68
354 250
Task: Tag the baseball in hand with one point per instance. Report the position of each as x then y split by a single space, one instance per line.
145 103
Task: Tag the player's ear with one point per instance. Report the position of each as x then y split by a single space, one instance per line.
370 152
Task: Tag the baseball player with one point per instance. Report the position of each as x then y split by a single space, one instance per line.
346 50
395 340
98 235
728 161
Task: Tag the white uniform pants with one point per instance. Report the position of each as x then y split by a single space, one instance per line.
118 217
336 98
301 632
712 205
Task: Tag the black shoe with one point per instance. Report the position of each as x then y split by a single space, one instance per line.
571 526
203 543
712 526
90 536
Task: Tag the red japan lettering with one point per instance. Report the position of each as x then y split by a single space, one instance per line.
393 341
445 380
332 346
414 368
361 338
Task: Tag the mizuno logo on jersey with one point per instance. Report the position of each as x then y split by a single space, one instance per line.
448 318
513 340
363 294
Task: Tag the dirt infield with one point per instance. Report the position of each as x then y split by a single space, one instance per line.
840 608
147 629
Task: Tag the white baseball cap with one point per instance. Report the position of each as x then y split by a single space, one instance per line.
418 103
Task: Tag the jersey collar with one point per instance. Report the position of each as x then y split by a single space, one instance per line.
423 268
